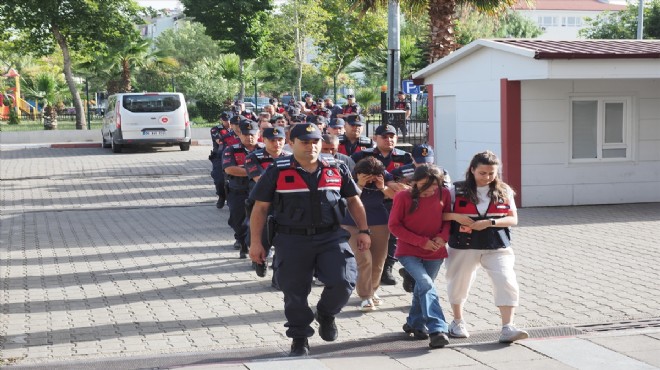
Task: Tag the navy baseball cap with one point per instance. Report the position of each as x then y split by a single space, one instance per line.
305 131
248 127
235 120
274 133
307 96
350 96
320 120
355 120
275 117
387 129
401 93
298 118
238 102
224 116
423 153
337 122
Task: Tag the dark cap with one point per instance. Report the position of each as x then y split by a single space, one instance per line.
401 93
224 116
387 129
249 127
350 96
298 118
355 120
423 154
238 102
321 120
305 131
307 96
235 120
274 133
272 100
336 122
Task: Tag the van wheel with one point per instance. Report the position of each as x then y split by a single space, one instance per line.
184 147
116 148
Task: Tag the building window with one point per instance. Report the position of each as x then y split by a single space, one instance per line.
600 128
571 21
545 21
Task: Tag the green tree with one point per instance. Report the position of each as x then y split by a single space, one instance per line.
239 25
188 44
348 35
623 24
441 18
472 24
72 25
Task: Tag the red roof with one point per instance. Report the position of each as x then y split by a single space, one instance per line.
588 49
585 5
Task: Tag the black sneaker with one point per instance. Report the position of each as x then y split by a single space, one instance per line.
408 281
438 340
237 245
220 203
327 327
416 333
299 347
261 269
242 254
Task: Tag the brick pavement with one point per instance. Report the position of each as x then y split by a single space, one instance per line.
108 255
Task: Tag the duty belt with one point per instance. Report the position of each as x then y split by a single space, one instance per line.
305 230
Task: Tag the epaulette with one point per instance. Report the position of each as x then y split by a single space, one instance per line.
365 141
328 160
459 187
407 171
369 151
237 146
284 162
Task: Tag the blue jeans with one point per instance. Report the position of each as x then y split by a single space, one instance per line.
425 311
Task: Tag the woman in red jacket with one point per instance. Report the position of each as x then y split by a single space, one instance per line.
416 220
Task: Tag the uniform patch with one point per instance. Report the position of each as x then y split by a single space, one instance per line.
330 172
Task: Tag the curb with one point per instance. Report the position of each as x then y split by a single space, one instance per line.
79 145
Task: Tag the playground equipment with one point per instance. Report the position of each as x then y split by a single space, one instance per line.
18 103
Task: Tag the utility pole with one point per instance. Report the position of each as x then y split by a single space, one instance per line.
640 20
393 50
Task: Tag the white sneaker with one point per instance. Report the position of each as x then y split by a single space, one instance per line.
511 334
458 329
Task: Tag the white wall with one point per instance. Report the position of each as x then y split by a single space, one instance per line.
475 83
548 176
560 31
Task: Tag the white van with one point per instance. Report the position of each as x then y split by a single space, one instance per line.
153 119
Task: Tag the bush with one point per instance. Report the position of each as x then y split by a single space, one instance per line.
209 111
14 119
193 111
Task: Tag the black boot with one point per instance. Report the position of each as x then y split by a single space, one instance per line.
220 192
299 347
327 327
387 278
242 254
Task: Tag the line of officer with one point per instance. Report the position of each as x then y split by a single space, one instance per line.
222 136
350 109
309 193
233 161
352 141
255 165
386 152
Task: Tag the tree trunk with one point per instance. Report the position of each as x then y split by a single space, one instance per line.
442 42
126 76
299 53
241 77
81 123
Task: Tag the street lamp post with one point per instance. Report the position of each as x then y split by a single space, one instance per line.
640 20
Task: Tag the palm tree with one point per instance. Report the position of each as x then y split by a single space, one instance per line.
441 18
49 89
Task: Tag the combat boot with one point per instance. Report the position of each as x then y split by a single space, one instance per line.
387 278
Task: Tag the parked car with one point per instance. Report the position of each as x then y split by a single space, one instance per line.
153 119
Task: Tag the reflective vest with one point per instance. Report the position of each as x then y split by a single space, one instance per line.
345 145
350 109
401 105
239 152
297 204
462 237
398 158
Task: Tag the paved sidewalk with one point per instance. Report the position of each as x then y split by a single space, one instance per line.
124 257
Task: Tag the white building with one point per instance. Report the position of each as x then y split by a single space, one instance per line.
562 19
166 19
574 122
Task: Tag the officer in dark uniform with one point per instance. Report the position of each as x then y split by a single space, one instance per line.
218 133
336 127
310 106
330 144
352 141
276 104
351 108
386 152
233 163
422 154
402 104
239 110
334 109
255 165
309 194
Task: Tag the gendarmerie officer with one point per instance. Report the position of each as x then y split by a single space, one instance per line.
309 193
255 165
402 104
233 163
386 152
352 141
217 134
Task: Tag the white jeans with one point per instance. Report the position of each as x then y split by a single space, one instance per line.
462 265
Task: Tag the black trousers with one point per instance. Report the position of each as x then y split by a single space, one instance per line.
236 202
298 256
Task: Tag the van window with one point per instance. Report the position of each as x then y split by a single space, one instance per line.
151 103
